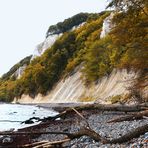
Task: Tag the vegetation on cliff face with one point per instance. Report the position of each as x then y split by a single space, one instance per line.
9 74
131 32
67 24
124 47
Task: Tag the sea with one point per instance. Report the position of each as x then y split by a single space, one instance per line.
12 115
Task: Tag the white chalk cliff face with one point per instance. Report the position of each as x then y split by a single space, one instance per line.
107 25
49 41
72 89
19 71
39 50
76 27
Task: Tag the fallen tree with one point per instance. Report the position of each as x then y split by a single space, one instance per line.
134 116
84 131
98 107
87 132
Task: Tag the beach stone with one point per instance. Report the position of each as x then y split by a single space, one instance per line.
146 136
74 146
92 146
98 122
7 139
105 146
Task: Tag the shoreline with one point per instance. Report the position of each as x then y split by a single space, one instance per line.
98 122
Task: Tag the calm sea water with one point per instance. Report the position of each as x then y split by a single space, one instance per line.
18 113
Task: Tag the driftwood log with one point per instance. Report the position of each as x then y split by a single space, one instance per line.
134 116
99 107
87 131
90 133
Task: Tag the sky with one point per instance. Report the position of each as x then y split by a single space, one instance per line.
24 23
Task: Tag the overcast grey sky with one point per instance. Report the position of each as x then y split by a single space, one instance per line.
23 24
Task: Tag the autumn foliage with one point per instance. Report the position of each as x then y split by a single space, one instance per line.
124 47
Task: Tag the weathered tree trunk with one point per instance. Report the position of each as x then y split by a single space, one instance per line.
132 134
134 116
114 107
99 107
89 132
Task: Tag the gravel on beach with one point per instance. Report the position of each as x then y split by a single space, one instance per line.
72 122
98 122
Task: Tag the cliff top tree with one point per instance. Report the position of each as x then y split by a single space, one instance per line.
134 5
